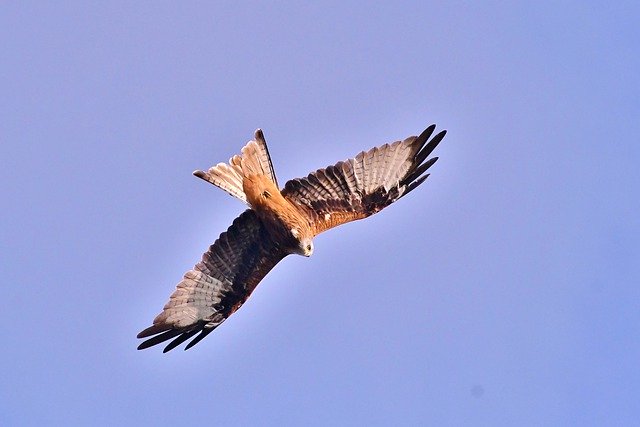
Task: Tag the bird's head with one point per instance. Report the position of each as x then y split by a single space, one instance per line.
305 247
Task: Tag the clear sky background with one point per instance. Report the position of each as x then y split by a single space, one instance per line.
505 291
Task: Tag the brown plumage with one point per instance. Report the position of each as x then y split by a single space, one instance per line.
281 222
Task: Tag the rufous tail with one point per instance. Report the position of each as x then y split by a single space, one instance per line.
254 159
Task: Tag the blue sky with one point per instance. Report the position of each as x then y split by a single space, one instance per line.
505 291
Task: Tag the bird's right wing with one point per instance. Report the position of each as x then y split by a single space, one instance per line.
217 286
361 186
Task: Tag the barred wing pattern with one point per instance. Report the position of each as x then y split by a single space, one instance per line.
217 286
359 187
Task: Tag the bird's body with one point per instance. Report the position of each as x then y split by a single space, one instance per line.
279 223
285 222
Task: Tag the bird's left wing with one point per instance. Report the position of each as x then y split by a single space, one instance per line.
217 286
361 186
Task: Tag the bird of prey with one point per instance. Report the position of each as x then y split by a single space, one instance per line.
279 223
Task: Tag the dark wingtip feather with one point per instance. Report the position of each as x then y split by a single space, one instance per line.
159 338
419 171
427 149
415 184
258 135
197 339
200 174
182 338
153 330
430 162
426 134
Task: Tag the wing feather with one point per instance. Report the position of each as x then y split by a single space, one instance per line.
217 286
361 186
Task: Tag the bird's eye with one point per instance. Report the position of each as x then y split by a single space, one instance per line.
266 194
308 247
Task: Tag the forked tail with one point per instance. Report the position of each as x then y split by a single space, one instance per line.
253 160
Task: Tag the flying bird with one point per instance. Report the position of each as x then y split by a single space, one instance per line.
279 223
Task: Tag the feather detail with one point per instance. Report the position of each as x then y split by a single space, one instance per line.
254 160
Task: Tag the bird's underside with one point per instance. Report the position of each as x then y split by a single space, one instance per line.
278 223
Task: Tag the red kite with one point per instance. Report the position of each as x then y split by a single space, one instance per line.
279 223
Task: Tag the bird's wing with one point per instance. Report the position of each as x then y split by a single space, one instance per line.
217 286
359 187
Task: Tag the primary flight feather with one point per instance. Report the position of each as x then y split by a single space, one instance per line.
279 223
